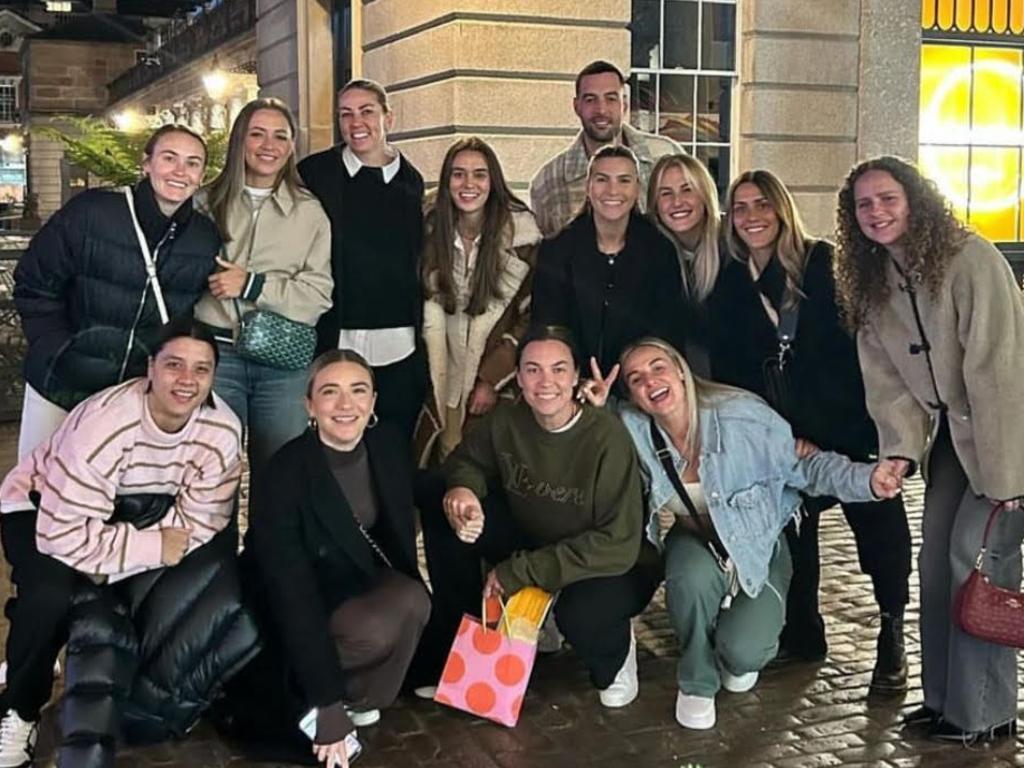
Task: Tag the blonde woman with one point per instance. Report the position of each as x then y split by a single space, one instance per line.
610 276
683 200
276 257
725 465
777 333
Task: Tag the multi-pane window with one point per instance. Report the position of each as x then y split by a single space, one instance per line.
683 71
972 111
8 100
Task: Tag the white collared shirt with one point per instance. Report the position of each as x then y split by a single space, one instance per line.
353 163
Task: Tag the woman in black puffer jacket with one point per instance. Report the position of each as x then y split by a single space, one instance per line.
88 309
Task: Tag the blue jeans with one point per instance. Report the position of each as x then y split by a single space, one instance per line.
269 402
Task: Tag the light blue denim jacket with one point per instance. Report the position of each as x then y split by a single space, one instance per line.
751 477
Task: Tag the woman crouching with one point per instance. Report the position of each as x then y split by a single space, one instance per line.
334 541
726 466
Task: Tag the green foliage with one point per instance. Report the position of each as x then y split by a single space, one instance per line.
115 156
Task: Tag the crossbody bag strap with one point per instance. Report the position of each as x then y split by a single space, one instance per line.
147 257
665 458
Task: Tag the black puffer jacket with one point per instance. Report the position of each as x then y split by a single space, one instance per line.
147 655
80 289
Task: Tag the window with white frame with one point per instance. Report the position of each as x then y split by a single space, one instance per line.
8 100
683 68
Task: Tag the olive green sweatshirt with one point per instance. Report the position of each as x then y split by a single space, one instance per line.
577 493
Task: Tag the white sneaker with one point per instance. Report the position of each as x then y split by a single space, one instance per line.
695 712
625 686
17 741
364 718
738 683
549 638
425 692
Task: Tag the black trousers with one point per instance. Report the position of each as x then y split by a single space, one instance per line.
401 389
592 614
38 616
883 551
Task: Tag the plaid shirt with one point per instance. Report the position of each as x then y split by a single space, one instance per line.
559 188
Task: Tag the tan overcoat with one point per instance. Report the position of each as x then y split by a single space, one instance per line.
975 327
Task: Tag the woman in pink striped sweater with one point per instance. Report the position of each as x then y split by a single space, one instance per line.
137 477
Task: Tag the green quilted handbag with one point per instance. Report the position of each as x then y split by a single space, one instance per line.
268 338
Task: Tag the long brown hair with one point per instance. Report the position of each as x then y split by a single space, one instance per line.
228 186
791 246
438 257
706 262
934 235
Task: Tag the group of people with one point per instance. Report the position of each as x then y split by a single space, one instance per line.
612 386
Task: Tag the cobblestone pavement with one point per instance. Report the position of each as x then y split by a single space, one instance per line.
803 717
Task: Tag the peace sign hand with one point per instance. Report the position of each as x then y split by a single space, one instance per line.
596 390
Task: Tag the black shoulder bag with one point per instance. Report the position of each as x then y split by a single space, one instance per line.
777 386
707 535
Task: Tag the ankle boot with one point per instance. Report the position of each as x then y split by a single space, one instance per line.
890 674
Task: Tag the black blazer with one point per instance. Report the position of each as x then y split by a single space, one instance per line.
311 555
825 374
608 305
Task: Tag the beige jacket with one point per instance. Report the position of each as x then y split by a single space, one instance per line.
286 247
976 331
493 335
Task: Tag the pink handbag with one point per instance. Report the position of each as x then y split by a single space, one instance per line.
487 671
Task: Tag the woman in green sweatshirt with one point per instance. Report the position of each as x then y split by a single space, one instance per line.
547 492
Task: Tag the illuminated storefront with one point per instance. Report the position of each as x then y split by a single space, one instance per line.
972 111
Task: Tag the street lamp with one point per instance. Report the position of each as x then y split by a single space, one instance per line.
216 84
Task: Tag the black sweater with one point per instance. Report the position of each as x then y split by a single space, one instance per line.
825 376
376 239
609 302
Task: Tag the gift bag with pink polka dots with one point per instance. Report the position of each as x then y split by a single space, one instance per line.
486 673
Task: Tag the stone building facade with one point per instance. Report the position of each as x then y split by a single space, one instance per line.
811 90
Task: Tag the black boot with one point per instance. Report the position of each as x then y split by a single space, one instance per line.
890 675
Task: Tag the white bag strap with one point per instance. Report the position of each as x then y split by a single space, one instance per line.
147 257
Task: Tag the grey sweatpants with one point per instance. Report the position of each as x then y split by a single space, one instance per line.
971 682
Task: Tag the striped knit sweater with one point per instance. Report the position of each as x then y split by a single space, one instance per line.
110 446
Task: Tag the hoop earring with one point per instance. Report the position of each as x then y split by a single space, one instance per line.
312 423
374 420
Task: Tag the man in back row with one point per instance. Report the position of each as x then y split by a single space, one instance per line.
558 189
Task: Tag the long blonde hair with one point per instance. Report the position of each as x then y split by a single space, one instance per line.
792 244
698 391
228 186
699 281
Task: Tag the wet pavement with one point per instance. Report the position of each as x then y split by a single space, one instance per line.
798 717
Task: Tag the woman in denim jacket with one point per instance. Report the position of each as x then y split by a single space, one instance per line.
728 569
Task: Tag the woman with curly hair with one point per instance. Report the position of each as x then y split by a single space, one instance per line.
777 333
940 332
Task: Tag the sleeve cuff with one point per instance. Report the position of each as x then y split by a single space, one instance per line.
253 286
144 548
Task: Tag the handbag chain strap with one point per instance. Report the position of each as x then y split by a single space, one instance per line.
370 540
706 532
